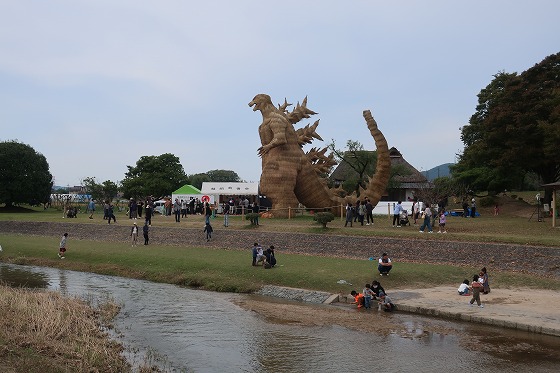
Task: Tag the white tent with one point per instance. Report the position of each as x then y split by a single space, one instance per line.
230 189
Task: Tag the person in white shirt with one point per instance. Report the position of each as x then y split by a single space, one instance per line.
464 288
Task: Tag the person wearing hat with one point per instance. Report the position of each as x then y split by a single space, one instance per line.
385 265
134 234
385 302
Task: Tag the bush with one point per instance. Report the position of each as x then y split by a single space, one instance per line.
487 201
323 218
253 216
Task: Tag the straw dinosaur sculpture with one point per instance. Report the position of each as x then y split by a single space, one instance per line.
291 176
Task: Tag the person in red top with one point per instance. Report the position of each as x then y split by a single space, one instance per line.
358 298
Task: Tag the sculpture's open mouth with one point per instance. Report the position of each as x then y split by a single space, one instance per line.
253 104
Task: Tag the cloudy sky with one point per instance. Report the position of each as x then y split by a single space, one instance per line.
95 85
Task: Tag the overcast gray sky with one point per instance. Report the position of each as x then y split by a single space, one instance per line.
95 85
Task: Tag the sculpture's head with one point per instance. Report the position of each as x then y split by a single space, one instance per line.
260 101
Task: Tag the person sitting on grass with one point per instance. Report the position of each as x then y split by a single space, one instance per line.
386 302
260 256
358 298
270 258
464 288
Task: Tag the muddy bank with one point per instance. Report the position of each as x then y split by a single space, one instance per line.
544 261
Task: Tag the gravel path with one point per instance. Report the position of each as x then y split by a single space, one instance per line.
544 261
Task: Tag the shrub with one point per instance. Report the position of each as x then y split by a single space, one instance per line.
323 218
487 201
253 216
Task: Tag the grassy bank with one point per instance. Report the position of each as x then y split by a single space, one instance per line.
230 270
46 332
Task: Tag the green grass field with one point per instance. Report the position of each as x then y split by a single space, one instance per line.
230 270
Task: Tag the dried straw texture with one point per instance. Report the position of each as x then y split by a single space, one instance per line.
290 176
46 332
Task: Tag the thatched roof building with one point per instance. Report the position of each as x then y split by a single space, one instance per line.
405 184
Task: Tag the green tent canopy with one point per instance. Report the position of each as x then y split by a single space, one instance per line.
187 189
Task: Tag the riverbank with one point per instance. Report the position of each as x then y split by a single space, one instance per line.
420 262
532 310
47 332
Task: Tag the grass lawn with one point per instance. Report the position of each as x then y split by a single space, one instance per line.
230 270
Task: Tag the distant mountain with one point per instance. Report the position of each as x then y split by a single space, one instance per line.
438 171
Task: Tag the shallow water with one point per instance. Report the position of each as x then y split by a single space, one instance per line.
200 331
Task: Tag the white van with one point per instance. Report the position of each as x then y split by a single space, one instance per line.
159 206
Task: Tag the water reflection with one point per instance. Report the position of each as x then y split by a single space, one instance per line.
193 330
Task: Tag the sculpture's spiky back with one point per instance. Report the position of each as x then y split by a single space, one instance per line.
291 176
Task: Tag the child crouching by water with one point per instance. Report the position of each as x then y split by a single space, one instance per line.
358 298
386 302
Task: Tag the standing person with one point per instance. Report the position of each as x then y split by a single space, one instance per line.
362 212
256 210
140 206
427 216
415 210
133 209
91 208
207 212
442 220
384 265
475 288
473 208
105 210
62 246
226 215
485 280
369 212
397 214
368 295
496 210
183 209
146 232
111 214
134 234
356 211
208 229
177 210
349 210
149 212
465 206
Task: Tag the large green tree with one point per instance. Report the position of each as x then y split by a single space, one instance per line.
358 163
104 191
154 175
24 175
514 131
